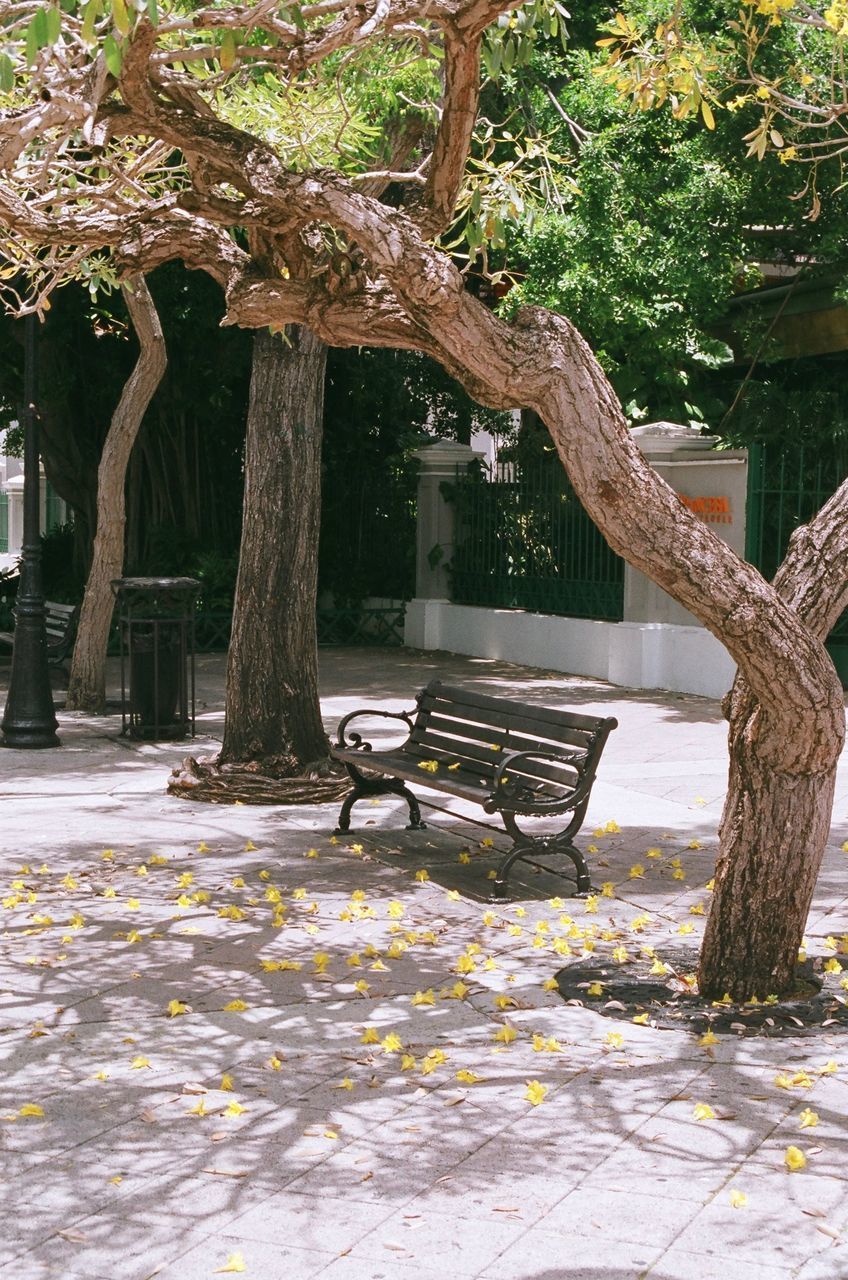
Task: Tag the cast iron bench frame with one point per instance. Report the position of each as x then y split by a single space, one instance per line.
60 624
511 758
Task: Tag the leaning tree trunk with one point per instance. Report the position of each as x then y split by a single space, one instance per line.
87 683
273 716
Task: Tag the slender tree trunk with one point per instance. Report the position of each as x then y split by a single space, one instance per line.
87 684
273 716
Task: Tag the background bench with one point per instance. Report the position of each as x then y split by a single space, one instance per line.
60 624
510 758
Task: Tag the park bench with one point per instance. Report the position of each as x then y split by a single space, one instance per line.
513 759
60 625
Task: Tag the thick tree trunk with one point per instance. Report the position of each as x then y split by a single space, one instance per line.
771 840
87 683
273 716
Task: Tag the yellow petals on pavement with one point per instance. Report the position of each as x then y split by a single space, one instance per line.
468 1077
808 1119
235 1262
637 871
424 997
738 1199
536 1092
794 1159
369 1036
235 1006
506 1034
176 1007
139 1063
31 1109
422 875
226 1083
391 1043
234 1109
595 989
703 1111
708 1039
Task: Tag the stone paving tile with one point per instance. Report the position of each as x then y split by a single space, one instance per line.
616 1215
264 1260
312 1222
351 1268
681 1264
547 1255
458 1243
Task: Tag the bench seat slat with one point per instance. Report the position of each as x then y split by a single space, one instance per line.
473 757
520 736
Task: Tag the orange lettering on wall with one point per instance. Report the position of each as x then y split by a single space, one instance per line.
711 509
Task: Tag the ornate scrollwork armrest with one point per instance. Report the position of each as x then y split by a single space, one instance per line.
506 790
356 742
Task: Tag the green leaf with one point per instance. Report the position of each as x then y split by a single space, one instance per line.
92 13
112 55
121 17
7 73
153 12
54 24
41 28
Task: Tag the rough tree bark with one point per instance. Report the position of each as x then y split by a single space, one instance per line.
87 682
272 715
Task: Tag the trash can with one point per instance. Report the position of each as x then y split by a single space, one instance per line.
156 624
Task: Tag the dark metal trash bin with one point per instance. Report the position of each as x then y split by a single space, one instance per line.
156 623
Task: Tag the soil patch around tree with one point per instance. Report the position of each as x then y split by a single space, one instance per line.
670 1001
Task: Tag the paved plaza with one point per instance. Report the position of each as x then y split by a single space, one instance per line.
232 1044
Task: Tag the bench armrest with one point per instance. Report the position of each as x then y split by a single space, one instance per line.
504 791
356 742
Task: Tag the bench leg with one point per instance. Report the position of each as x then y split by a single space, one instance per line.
363 787
524 847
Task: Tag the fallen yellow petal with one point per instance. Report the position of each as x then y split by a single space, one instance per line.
235 1262
794 1159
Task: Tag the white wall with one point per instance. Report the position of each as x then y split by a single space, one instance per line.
638 655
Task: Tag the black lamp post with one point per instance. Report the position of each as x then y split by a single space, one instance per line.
30 719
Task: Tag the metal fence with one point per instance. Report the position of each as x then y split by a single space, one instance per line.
353 625
523 540
786 487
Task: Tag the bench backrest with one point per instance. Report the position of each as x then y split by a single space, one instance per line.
60 622
460 724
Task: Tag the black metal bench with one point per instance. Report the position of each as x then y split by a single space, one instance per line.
60 625
513 759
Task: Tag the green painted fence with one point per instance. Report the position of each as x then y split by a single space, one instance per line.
523 540
786 487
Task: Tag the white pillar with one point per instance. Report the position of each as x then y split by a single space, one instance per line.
441 462
712 483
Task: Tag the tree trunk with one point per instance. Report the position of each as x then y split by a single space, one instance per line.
273 716
772 837
87 683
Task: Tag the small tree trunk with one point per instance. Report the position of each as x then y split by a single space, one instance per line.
273 716
87 683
